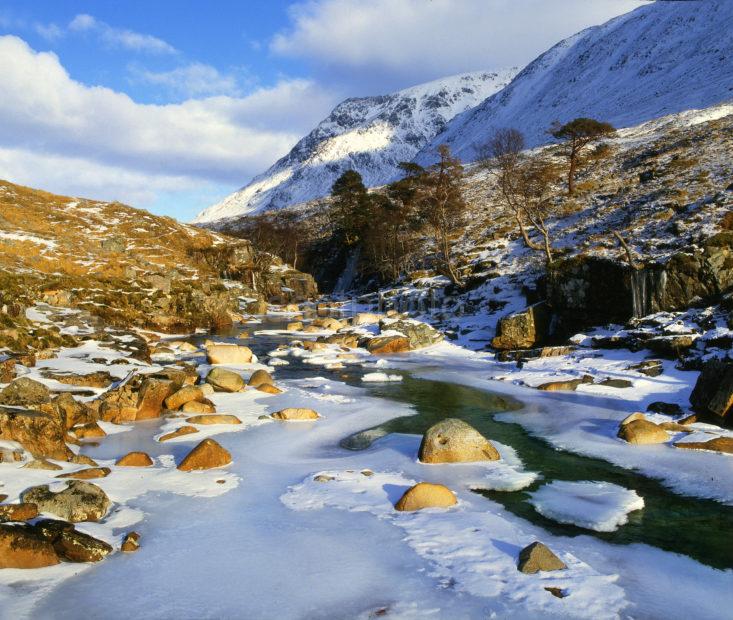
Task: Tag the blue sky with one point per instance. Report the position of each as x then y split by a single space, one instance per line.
171 105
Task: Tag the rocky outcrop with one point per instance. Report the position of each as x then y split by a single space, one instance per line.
42 434
713 392
79 501
454 441
24 392
426 495
523 330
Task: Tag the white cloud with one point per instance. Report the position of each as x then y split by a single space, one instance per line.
120 37
50 32
192 80
394 43
59 134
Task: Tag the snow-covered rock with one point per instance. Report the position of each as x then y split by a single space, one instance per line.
662 58
371 135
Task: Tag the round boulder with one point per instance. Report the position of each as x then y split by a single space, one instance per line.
225 380
642 432
206 455
426 495
260 377
454 441
232 354
295 413
79 501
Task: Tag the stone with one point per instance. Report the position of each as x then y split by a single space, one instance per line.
418 334
713 391
134 459
454 441
131 543
641 432
18 512
295 326
350 341
232 354
328 323
257 307
70 411
260 377
83 459
523 330
214 419
88 431
366 318
314 345
7 370
88 474
24 392
70 544
672 347
616 383
665 408
198 407
42 464
22 547
674 427
79 501
632 418
295 413
538 557
569 385
426 495
386 345
99 379
206 455
152 395
269 389
42 434
224 380
184 395
719 444
323 478
179 432
650 368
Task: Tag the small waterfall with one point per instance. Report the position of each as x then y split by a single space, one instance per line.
647 287
346 280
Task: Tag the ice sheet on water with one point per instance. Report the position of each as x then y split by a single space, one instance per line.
600 506
377 377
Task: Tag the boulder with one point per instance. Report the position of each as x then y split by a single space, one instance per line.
260 377
22 547
418 334
232 354
537 557
70 544
632 417
713 391
206 455
79 501
386 345
616 383
198 407
98 379
269 389
523 330
719 444
69 410
42 464
89 431
295 413
225 380
179 432
42 434
152 395
295 326
569 385
642 432
134 459
366 318
454 441
426 495
257 307
214 419
7 369
18 512
184 395
24 392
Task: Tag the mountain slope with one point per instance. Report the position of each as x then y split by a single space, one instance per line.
371 135
660 59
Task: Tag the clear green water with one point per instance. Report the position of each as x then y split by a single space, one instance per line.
699 528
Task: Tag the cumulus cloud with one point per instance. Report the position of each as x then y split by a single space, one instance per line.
395 43
120 37
52 122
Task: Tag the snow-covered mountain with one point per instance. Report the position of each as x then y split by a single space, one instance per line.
371 135
660 59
